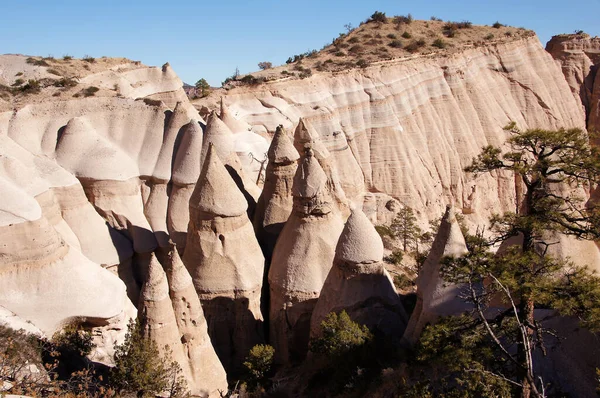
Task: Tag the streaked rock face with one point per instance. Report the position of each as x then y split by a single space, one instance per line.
579 57
302 259
413 125
359 284
225 262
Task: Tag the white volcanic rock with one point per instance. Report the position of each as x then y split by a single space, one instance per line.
301 260
225 262
157 317
414 124
359 284
275 203
208 375
579 54
435 297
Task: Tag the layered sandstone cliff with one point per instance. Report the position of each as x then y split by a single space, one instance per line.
579 58
413 124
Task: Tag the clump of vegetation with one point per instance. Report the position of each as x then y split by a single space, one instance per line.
402 19
259 365
355 49
353 40
18 82
36 62
403 282
67 57
265 65
395 44
19 74
340 335
339 54
497 25
406 35
384 230
433 18
392 36
202 87
141 370
90 91
489 36
415 46
439 43
31 87
361 63
89 59
65 82
54 72
151 102
394 258
378 16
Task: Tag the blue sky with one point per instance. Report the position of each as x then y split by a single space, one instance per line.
210 38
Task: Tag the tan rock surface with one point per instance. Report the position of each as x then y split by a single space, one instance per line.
301 260
436 298
225 262
359 284
207 372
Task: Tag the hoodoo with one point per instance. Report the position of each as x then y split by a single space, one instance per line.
207 372
306 137
359 284
225 262
157 317
302 259
275 202
434 297
186 170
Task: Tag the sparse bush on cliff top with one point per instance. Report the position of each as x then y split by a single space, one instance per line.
378 16
265 65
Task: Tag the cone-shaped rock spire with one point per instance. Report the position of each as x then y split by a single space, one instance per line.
186 170
225 262
157 317
216 193
301 260
235 125
218 134
207 372
359 284
434 297
275 202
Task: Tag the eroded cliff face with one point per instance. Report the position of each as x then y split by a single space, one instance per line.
413 124
579 57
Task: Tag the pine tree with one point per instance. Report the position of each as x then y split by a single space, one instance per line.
557 171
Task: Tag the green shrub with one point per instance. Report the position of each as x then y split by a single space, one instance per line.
403 19
384 230
18 82
36 62
353 40
90 91
259 364
395 44
361 63
89 59
415 46
339 335
339 54
355 49
141 370
65 82
19 74
497 25
436 19
403 282
378 17
392 36
54 72
439 43
406 35
394 258
489 36
32 87
67 57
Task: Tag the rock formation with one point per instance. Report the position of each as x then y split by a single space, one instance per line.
206 371
275 202
435 298
302 259
413 124
579 57
225 262
359 284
